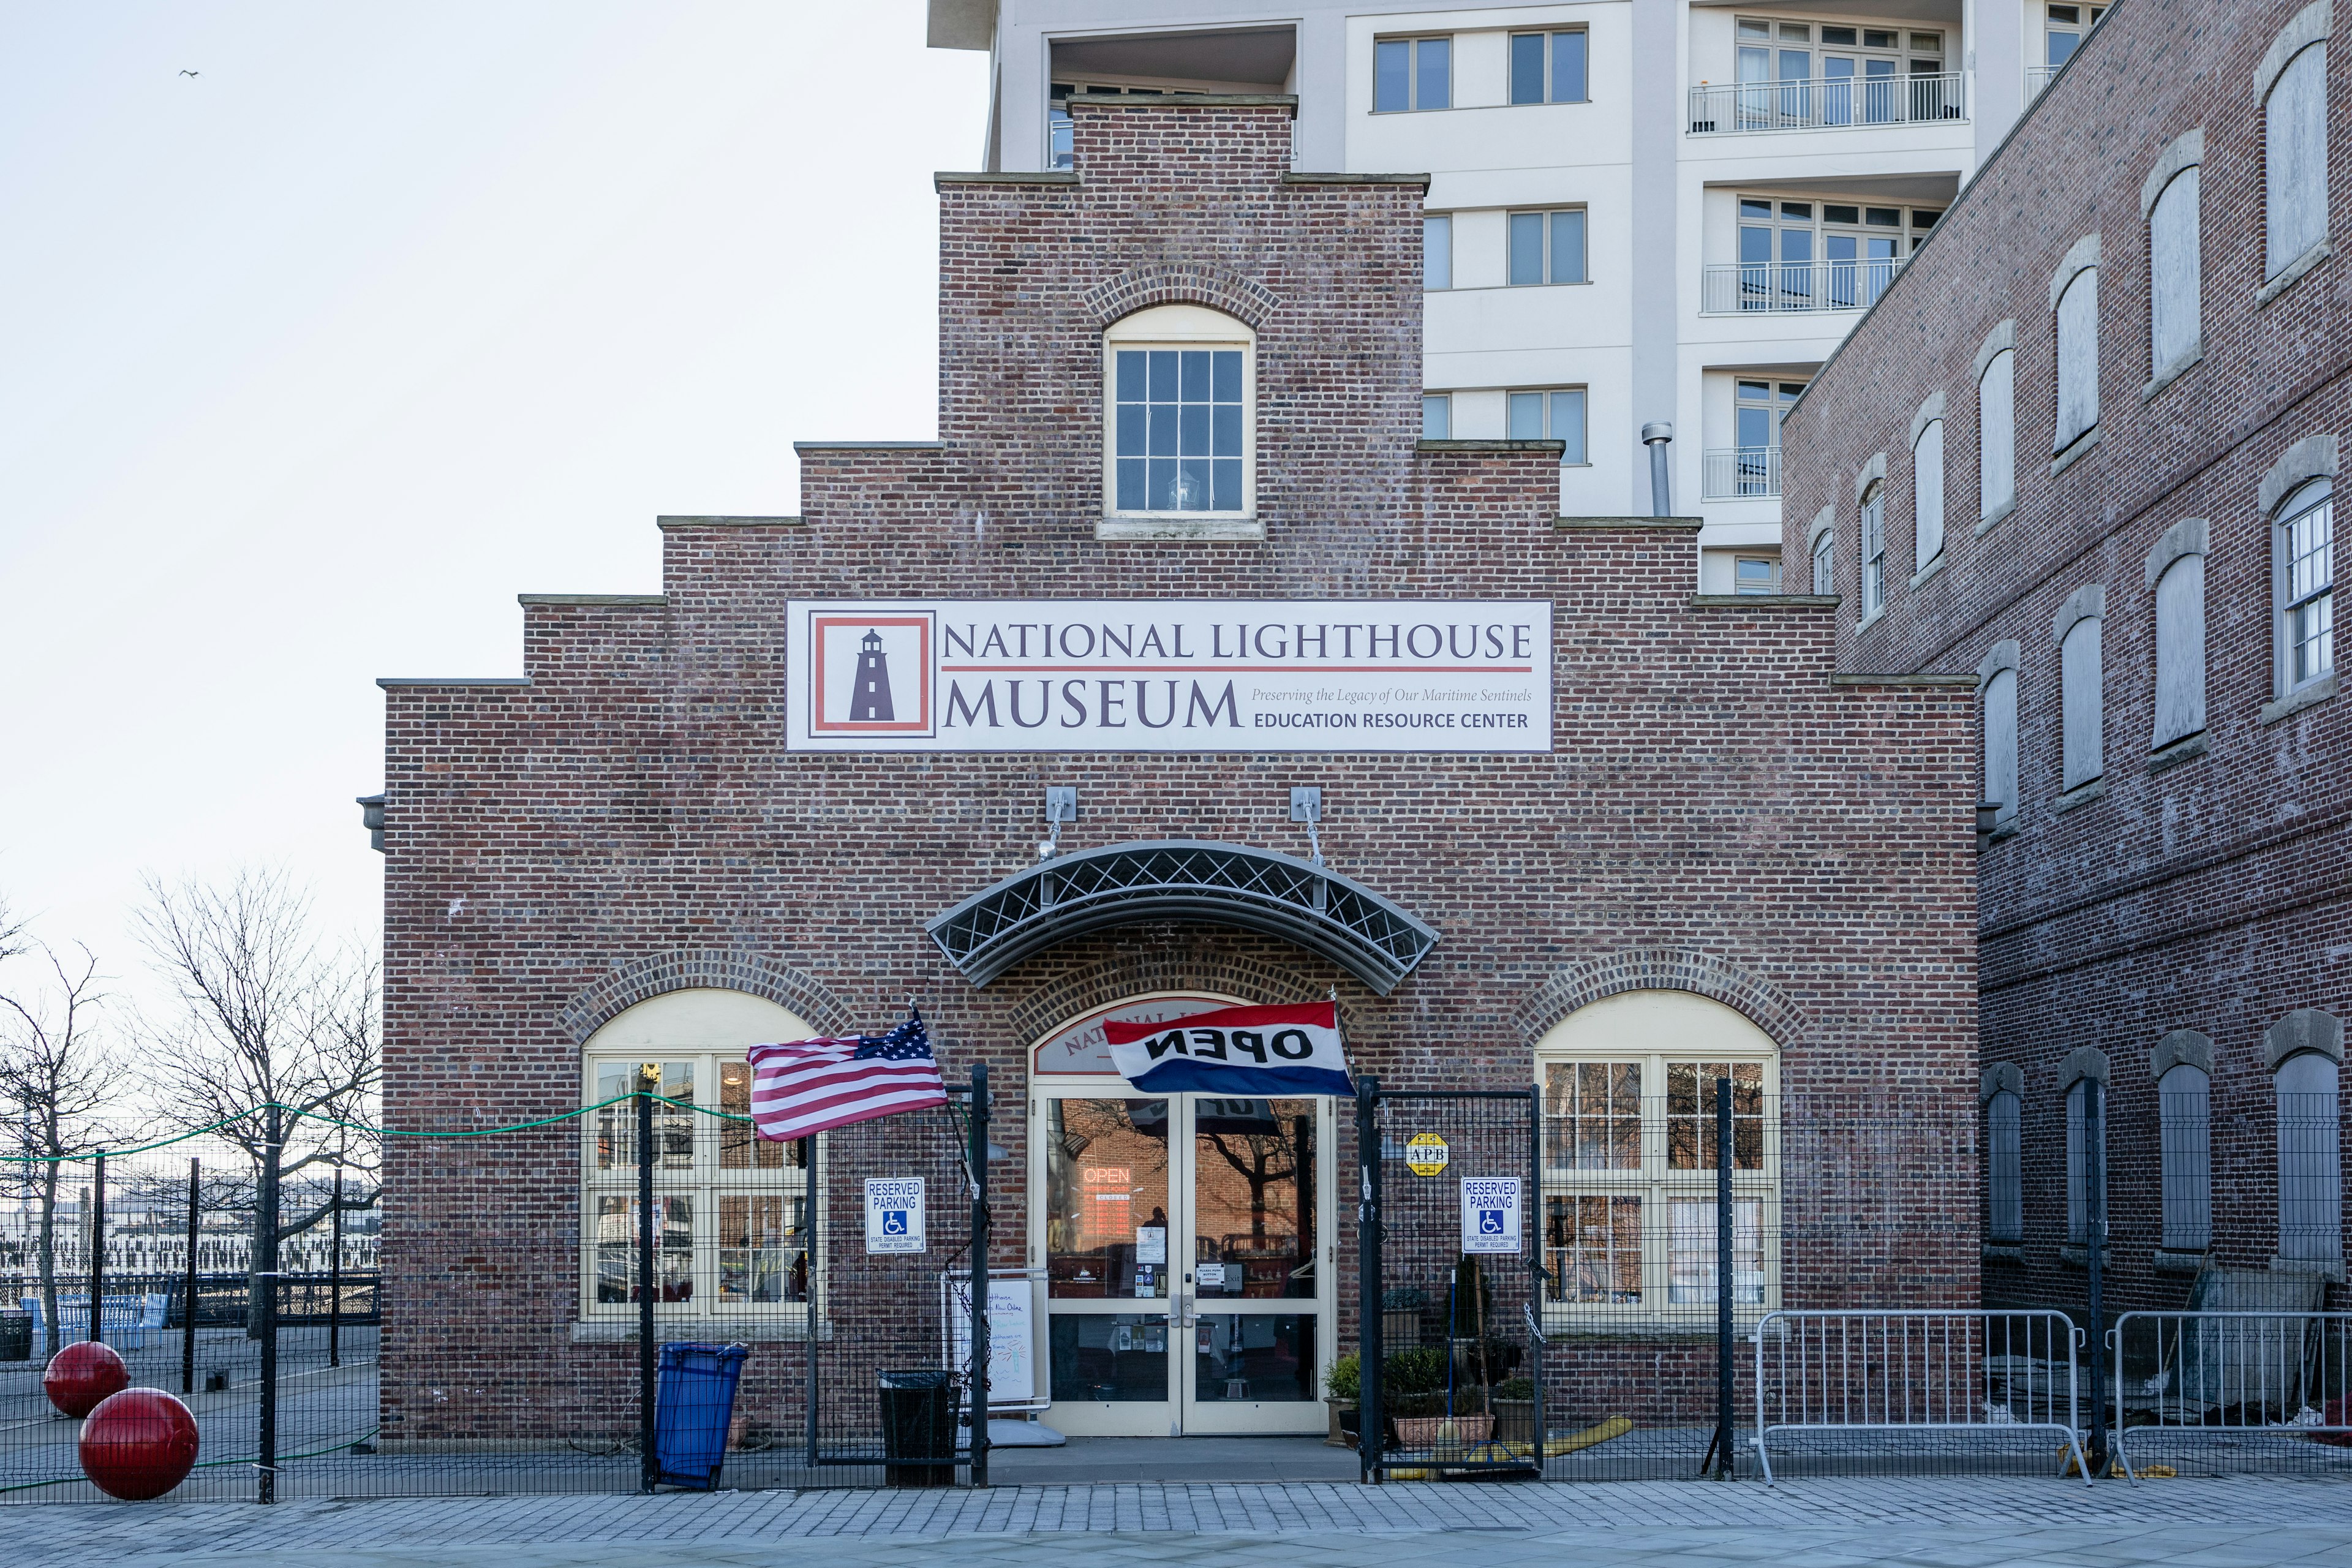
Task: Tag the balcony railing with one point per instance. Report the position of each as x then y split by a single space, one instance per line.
1739 473
1837 103
2036 79
1781 287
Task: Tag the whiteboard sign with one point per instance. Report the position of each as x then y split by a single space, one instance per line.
1169 675
1011 1358
894 1214
1490 1214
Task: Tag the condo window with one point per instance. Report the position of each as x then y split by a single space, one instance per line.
1437 252
1552 414
1436 416
1411 73
2063 34
1547 68
1755 574
1547 247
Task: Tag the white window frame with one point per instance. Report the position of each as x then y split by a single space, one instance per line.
1651 1183
2305 612
1771 580
1548 226
703 1181
1178 327
2084 19
1550 36
1873 549
1825 563
1578 452
1414 42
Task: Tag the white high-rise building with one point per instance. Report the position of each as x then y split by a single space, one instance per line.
1640 211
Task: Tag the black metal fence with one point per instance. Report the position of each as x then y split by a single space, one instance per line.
481 1358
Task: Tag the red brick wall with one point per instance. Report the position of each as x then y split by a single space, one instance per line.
2209 895
1712 796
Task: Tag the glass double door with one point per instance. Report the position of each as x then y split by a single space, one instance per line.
1183 1242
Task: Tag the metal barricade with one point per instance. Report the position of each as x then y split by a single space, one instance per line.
2192 1383
1931 1370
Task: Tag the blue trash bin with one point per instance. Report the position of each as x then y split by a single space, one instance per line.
693 1404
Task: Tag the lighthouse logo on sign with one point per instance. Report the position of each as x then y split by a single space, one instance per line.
870 674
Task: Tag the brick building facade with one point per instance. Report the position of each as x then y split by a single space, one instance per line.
1706 849
2091 432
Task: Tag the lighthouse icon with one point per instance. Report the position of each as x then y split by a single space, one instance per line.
869 699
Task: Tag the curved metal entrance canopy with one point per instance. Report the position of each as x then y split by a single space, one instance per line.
1190 879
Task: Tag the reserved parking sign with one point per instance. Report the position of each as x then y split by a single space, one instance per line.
1490 1214
894 1214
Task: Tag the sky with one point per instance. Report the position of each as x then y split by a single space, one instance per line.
312 361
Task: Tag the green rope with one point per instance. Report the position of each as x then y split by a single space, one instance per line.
200 1465
322 1116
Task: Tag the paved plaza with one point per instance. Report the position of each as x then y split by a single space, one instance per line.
1947 1522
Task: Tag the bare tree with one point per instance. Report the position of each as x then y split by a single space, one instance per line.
53 1065
267 1017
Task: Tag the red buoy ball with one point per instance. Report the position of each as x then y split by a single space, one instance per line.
138 1444
81 1374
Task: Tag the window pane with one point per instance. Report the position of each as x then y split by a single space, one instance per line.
1227 387
740 1147
1690 1114
1105 1178
1251 1357
1132 421
1526 68
1753 574
1131 496
1527 248
1253 1196
1592 1246
1433 75
1592 1116
1225 440
1160 484
1568 423
1436 417
1163 375
1192 438
1392 75
1192 481
1568 246
1131 366
1436 253
1568 84
1226 479
616 1249
1527 416
1165 426
1116 1360
1691 1246
762 1249
1195 377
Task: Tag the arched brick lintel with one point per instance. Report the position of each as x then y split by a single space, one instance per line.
712 968
1180 283
1762 1003
1178 967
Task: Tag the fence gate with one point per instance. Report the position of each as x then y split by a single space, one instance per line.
1448 1211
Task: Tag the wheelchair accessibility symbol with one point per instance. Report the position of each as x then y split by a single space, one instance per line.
894 1222
1490 1222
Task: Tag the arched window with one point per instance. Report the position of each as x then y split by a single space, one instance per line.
2081 693
1179 390
1825 562
1998 703
2078 358
1997 434
1927 493
2295 147
1630 1156
2310 1161
2305 571
2175 274
1873 549
2184 1095
2006 1194
731 1223
2177 571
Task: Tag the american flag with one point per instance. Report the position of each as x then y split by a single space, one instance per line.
804 1086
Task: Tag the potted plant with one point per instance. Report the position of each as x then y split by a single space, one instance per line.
1515 1410
1421 1411
1343 1391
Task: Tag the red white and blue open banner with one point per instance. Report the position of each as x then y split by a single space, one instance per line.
1254 1051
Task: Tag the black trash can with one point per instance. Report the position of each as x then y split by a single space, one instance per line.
919 1424
15 1334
